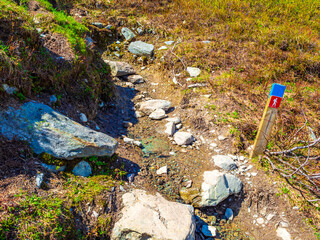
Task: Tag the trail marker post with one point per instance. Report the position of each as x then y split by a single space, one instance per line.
268 119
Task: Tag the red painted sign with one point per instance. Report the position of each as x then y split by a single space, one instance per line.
275 102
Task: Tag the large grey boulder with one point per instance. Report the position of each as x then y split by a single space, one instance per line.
119 69
51 132
224 162
127 33
217 186
151 105
147 216
141 48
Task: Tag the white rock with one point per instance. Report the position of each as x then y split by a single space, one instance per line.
241 158
175 120
162 170
153 216
170 128
189 184
169 42
213 145
95 214
119 69
284 224
193 72
179 126
135 79
224 162
183 138
283 233
254 174
137 143
162 48
158 114
128 140
174 80
83 117
270 216
221 138
138 114
260 221
208 231
151 105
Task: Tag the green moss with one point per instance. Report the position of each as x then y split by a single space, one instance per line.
49 159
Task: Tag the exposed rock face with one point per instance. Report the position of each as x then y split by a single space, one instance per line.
224 162
217 186
51 132
151 105
183 138
141 48
152 217
119 69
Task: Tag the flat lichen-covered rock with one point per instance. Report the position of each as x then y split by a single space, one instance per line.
147 216
51 132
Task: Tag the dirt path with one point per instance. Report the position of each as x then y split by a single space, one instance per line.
261 211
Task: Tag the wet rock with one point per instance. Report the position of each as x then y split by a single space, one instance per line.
170 128
147 216
82 169
283 233
158 114
141 48
83 118
119 69
54 168
51 132
193 72
224 162
8 89
229 214
151 105
217 186
183 138
162 170
208 231
127 33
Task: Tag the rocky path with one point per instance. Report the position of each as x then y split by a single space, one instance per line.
188 160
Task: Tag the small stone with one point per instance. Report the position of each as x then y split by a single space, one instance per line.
39 179
151 105
260 221
193 72
174 80
179 126
53 99
158 114
83 117
128 140
127 33
206 41
130 177
95 214
249 167
270 216
138 114
162 48
241 158
162 170
283 233
127 124
213 145
97 127
122 188
53 168
208 231
183 138
284 224
175 120
189 184
254 174
82 169
120 69
137 143
229 214
109 27
140 31
170 128
135 79
169 42
141 48
8 89
221 138
98 24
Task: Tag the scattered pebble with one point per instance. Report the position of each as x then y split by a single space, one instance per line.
260 221
221 138
83 117
162 170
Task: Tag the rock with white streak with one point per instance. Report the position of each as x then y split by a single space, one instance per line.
145 216
119 69
183 138
224 162
158 114
151 105
51 132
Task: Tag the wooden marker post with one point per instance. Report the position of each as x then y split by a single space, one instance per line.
268 119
